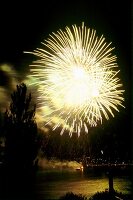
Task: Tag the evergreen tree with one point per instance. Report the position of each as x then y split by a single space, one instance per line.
21 143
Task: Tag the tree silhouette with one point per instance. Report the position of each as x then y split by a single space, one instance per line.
21 142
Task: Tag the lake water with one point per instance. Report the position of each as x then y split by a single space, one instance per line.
52 184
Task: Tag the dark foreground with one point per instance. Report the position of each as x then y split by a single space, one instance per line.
54 184
98 196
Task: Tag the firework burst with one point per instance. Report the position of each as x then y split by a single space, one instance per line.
77 81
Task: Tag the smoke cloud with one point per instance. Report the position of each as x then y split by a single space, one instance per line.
54 164
8 82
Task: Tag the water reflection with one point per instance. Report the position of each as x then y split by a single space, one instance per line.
53 184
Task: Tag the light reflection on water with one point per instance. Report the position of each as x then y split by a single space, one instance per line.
54 184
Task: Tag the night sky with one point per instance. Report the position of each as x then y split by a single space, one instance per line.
23 26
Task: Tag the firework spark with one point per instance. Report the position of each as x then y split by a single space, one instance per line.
77 81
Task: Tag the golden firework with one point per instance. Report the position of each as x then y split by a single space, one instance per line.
77 81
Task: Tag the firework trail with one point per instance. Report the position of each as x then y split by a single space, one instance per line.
77 81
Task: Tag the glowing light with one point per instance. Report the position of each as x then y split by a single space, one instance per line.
77 81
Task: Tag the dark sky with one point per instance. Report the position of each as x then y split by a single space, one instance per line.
23 26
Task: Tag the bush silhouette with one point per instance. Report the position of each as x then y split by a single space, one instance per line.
72 196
